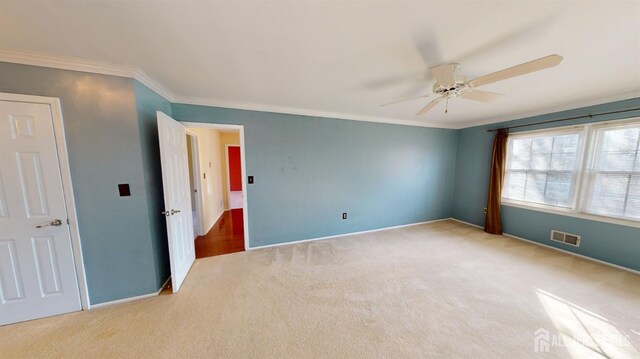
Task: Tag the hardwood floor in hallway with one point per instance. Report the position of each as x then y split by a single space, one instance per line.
226 236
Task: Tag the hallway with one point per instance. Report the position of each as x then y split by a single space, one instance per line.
226 236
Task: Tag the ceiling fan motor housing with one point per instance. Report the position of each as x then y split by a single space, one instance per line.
455 90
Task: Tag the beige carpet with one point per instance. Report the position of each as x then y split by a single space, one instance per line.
442 289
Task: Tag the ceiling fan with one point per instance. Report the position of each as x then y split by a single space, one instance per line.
450 85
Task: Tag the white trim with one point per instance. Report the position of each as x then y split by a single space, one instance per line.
348 234
77 64
552 247
551 110
104 68
131 299
572 253
154 85
571 213
243 163
249 106
197 181
467 223
67 184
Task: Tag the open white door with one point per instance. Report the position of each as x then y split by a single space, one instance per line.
177 197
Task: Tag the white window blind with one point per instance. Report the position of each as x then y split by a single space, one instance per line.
613 179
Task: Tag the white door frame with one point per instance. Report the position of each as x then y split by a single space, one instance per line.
228 174
67 184
243 165
197 181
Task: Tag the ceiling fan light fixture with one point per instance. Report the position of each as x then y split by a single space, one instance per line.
449 84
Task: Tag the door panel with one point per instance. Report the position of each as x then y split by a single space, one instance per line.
47 268
37 271
33 188
177 197
11 288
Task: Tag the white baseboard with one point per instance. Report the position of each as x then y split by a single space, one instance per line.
573 253
467 223
130 299
347 234
557 249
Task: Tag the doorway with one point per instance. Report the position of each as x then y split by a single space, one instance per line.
234 177
193 159
222 190
41 269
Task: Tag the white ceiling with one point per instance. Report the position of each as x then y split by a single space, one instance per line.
345 58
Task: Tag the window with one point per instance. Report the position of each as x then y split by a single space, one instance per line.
591 170
542 168
614 176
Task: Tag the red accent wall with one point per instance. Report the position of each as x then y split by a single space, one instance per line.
235 171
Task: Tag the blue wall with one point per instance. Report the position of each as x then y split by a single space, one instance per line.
608 242
147 103
104 145
309 170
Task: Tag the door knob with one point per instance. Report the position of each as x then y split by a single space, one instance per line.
54 223
166 213
173 211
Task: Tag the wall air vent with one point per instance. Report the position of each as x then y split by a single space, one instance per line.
567 238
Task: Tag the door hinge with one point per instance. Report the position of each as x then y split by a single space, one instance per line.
68 221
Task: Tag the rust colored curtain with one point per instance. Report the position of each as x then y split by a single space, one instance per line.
493 222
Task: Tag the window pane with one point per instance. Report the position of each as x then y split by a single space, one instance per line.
633 201
620 140
541 145
522 146
541 168
514 188
616 161
540 162
609 194
520 162
615 187
563 161
618 152
558 190
565 144
534 190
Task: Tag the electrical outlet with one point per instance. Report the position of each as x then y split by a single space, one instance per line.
344 215
484 210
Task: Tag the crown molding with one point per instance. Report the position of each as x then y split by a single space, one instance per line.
103 68
65 63
82 65
154 85
550 110
303 112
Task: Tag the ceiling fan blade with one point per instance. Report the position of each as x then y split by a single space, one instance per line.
405 99
444 74
482 96
429 106
522 69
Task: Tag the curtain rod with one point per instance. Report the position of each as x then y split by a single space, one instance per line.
564 119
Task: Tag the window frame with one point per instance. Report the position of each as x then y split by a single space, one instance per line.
589 171
585 160
576 172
